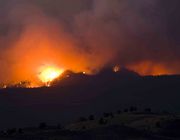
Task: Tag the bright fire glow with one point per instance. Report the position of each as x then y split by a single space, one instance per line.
48 74
116 68
150 68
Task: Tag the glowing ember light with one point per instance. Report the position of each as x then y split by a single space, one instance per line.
48 74
116 69
4 86
150 68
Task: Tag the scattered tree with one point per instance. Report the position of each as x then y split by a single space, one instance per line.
82 119
83 127
11 131
126 110
148 110
111 115
133 109
59 126
42 125
91 117
102 121
119 112
106 115
20 131
158 124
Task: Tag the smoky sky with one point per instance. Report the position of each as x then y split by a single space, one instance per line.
123 32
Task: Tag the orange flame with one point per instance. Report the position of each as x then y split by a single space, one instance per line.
48 74
150 68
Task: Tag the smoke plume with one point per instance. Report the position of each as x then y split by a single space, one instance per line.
87 35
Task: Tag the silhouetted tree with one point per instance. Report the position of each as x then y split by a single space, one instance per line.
11 131
133 109
83 127
165 112
20 131
111 115
126 110
102 121
148 110
106 115
158 124
42 125
91 117
82 119
119 112
59 126
2 133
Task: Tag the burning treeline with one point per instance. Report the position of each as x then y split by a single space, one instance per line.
105 33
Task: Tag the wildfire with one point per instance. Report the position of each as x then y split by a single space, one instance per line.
150 68
116 68
48 74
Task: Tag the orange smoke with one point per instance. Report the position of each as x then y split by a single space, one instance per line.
41 46
150 68
92 42
44 42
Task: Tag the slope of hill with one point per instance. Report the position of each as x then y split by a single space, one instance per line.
78 95
126 126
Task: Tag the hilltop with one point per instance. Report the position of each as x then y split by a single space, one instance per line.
78 94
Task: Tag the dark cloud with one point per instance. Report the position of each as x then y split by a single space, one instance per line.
103 32
140 29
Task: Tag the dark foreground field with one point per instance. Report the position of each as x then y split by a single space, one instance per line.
111 126
81 95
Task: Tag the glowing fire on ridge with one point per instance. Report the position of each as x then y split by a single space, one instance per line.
116 68
48 74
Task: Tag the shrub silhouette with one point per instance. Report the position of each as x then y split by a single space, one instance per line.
148 110
133 109
82 119
59 126
158 124
83 127
91 117
126 110
20 131
119 112
11 131
106 115
111 115
102 121
42 125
